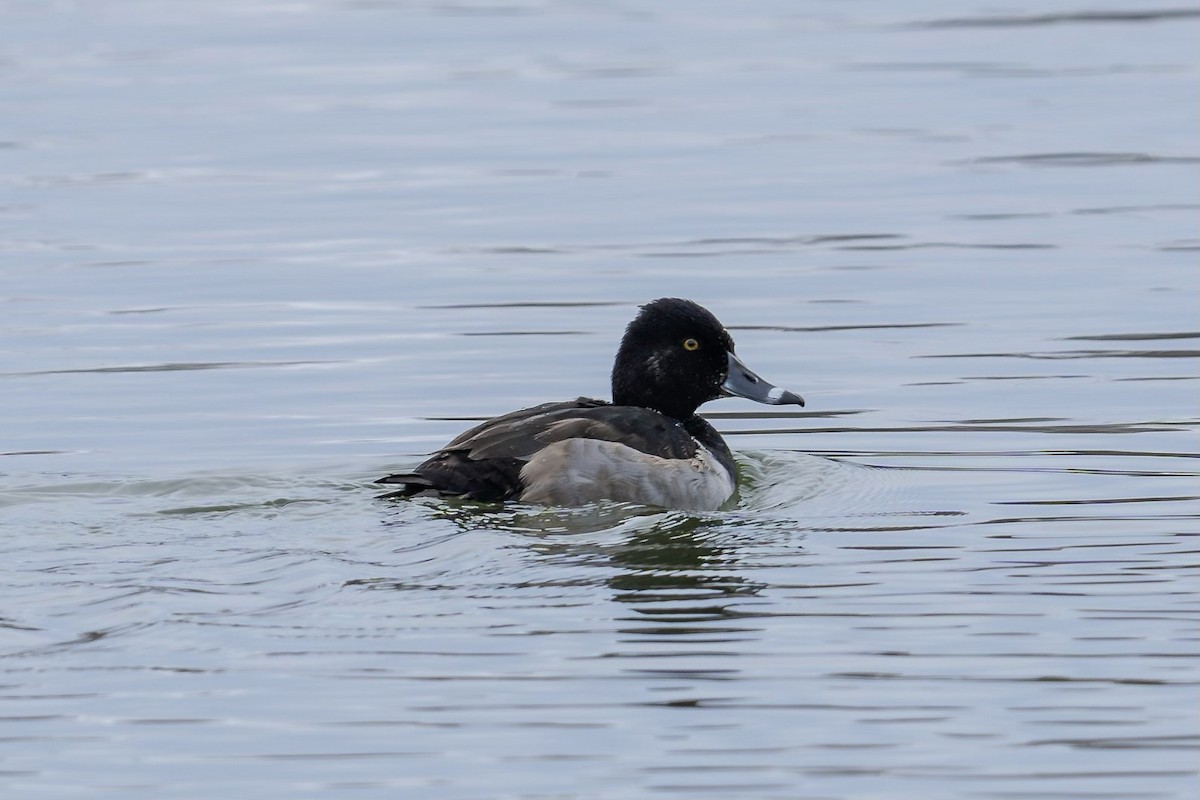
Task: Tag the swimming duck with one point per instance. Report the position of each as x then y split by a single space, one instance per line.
647 446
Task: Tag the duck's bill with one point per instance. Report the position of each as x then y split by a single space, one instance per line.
742 382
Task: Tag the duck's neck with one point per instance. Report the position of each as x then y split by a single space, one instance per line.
674 402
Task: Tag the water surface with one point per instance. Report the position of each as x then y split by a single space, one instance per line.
253 255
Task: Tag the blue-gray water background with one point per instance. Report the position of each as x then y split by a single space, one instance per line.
254 254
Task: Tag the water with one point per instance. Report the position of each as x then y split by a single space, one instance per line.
257 254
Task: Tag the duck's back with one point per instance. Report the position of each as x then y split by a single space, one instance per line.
578 451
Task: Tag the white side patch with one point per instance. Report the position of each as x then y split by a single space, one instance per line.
573 472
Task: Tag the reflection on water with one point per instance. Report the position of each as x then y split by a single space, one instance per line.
677 562
257 254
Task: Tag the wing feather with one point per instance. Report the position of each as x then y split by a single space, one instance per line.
484 463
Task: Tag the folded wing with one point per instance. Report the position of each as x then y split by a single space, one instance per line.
485 462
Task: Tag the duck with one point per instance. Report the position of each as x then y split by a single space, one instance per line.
647 446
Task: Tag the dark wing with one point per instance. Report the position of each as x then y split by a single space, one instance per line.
484 463
451 473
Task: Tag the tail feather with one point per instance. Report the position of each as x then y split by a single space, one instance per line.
454 474
411 483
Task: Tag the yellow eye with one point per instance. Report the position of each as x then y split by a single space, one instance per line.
690 345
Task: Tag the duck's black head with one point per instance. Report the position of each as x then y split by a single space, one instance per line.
675 356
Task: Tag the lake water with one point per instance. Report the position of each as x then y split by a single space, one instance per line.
255 254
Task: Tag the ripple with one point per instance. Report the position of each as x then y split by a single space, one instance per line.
1069 18
1059 355
184 366
1083 159
1134 337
